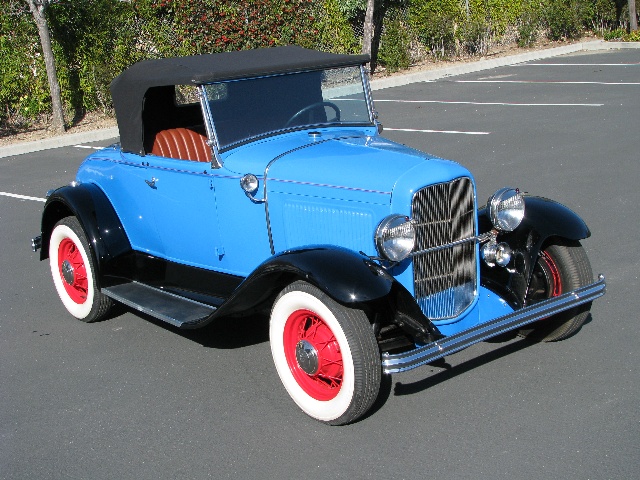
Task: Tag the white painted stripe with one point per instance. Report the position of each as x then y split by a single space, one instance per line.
434 131
581 64
88 146
499 103
547 81
22 197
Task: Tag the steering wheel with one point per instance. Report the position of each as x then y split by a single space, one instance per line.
311 107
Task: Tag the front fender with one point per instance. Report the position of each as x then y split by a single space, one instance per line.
543 219
348 277
95 213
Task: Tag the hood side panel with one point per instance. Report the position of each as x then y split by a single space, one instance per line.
301 221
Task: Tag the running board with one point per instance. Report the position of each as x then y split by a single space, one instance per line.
178 311
401 362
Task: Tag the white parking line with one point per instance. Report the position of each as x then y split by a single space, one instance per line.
499 103
580 64
434 131
88 146
547 81
22 197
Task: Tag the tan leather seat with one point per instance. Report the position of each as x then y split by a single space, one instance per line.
182 143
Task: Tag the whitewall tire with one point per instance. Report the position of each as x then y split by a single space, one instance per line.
326 354
73 272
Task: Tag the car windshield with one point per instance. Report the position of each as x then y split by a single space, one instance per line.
249 108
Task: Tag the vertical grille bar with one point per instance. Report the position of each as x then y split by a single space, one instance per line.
444 280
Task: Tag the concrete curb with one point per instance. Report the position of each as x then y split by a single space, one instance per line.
429 75
487 64
61 141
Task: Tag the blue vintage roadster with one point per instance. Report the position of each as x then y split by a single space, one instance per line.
257 181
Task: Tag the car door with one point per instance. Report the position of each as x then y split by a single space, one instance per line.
180 204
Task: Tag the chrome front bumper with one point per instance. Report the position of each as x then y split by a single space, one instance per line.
400 362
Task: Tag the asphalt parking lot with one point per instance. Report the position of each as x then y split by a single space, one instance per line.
133 398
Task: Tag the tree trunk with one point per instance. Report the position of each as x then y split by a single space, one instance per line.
37 8
367 38
633 19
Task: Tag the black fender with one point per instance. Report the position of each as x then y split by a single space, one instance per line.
542 220
95 213
350 278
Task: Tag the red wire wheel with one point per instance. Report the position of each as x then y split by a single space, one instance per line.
560 268
546 280
72 271
325 353
313 355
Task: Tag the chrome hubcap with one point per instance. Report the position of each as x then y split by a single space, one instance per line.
307 357
67 272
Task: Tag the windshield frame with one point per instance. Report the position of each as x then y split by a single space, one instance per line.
218 148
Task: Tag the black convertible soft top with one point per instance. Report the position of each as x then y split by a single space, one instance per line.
129 89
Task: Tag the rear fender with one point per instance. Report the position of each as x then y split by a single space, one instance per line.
543 220
95 213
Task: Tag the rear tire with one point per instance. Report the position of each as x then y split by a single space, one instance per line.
326 354
73 272
560 268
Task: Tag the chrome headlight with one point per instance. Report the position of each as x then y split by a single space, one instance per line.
395 237
506 209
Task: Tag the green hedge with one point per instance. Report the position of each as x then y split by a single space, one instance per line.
23 93
94 40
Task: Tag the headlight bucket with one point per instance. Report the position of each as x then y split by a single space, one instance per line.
395 237
506 209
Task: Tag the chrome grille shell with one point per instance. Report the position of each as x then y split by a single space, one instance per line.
445 279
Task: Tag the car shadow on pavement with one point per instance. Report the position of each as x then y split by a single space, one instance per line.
224 333
515 345
231 332
453 371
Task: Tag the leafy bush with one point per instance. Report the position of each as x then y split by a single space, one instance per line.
617 34
434 23
394 45
602 15
529 23
335 32
496 15
352 9
23 82
475 36
94 40
564 18
208 26
621 35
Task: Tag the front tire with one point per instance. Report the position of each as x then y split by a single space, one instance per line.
73 272
326 354
561 267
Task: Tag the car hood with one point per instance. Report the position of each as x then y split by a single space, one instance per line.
336 190
368 166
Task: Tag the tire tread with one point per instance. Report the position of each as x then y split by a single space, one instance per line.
364 350
576 272
101 303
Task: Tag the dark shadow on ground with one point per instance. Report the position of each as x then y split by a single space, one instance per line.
452 372
223 333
